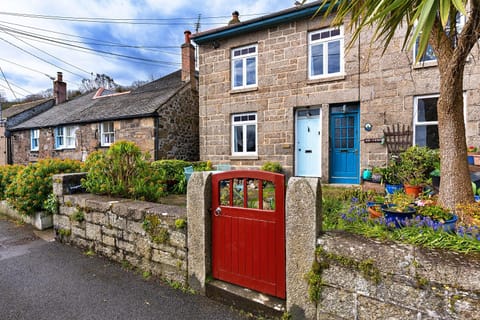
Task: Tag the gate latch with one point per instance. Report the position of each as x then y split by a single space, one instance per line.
218 211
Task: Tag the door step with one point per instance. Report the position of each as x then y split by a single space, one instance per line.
245 299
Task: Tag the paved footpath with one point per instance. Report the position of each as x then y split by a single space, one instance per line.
43 279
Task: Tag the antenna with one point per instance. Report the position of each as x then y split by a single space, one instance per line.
197 24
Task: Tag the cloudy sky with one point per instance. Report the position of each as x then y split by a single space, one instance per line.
128 40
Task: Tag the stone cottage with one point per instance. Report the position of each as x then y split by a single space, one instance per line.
161 117
284 87
15 115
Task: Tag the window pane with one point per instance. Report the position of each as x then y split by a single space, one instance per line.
251 147
427 135
238 139
427 109
238 73
317 60
334 57
251 71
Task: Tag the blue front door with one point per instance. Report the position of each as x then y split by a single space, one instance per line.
344 144
308 143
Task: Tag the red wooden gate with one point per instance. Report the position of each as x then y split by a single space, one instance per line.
248 230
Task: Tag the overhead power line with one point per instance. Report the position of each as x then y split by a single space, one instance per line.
9 86
96 50
150 21
28 68
18 93
94 41
48 54
40 58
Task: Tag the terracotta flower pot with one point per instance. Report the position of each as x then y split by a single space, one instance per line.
412 190
374 213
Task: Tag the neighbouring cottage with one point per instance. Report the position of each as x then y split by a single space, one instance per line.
15 115
284 87
161 117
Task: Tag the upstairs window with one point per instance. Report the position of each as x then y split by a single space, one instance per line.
244 67
325 53
244 134
34 139
429 55
107 134
65 137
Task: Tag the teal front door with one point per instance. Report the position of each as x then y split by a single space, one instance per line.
344 144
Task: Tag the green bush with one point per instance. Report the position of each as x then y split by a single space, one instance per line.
7 175
123 170
172 173
32 185
272 167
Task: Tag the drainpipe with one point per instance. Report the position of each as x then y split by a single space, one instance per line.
156 142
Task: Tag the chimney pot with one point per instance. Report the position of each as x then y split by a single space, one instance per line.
187 34
188 61
59 89
235 19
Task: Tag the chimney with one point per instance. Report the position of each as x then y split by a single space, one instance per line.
188 61
59 89
234 20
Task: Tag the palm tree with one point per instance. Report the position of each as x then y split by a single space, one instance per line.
432 22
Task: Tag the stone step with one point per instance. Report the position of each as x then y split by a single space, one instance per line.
245 299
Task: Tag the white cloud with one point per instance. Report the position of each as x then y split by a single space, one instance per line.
122 70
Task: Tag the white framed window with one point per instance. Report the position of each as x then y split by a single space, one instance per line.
65 137
326 53
244 67
429 55
107 133
34 139
244 134
425 121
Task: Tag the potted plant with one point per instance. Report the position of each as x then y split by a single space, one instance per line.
437 214
398 207
472 152
377 176
390 177
469 213
374 205
416 163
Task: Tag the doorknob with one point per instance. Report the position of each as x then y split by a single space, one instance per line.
218 212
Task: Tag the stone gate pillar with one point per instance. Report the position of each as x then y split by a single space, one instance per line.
303 225
199 198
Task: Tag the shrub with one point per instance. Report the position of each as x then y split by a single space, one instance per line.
123 170
32 185
172 174
272 167
7 175
114 172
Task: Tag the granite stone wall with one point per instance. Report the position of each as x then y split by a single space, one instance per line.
360 278
137 234
368 279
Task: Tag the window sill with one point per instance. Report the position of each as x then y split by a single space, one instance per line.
326 79
426 64
234 91
66 148
246 157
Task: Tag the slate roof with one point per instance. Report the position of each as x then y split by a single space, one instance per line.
19 108
141 102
